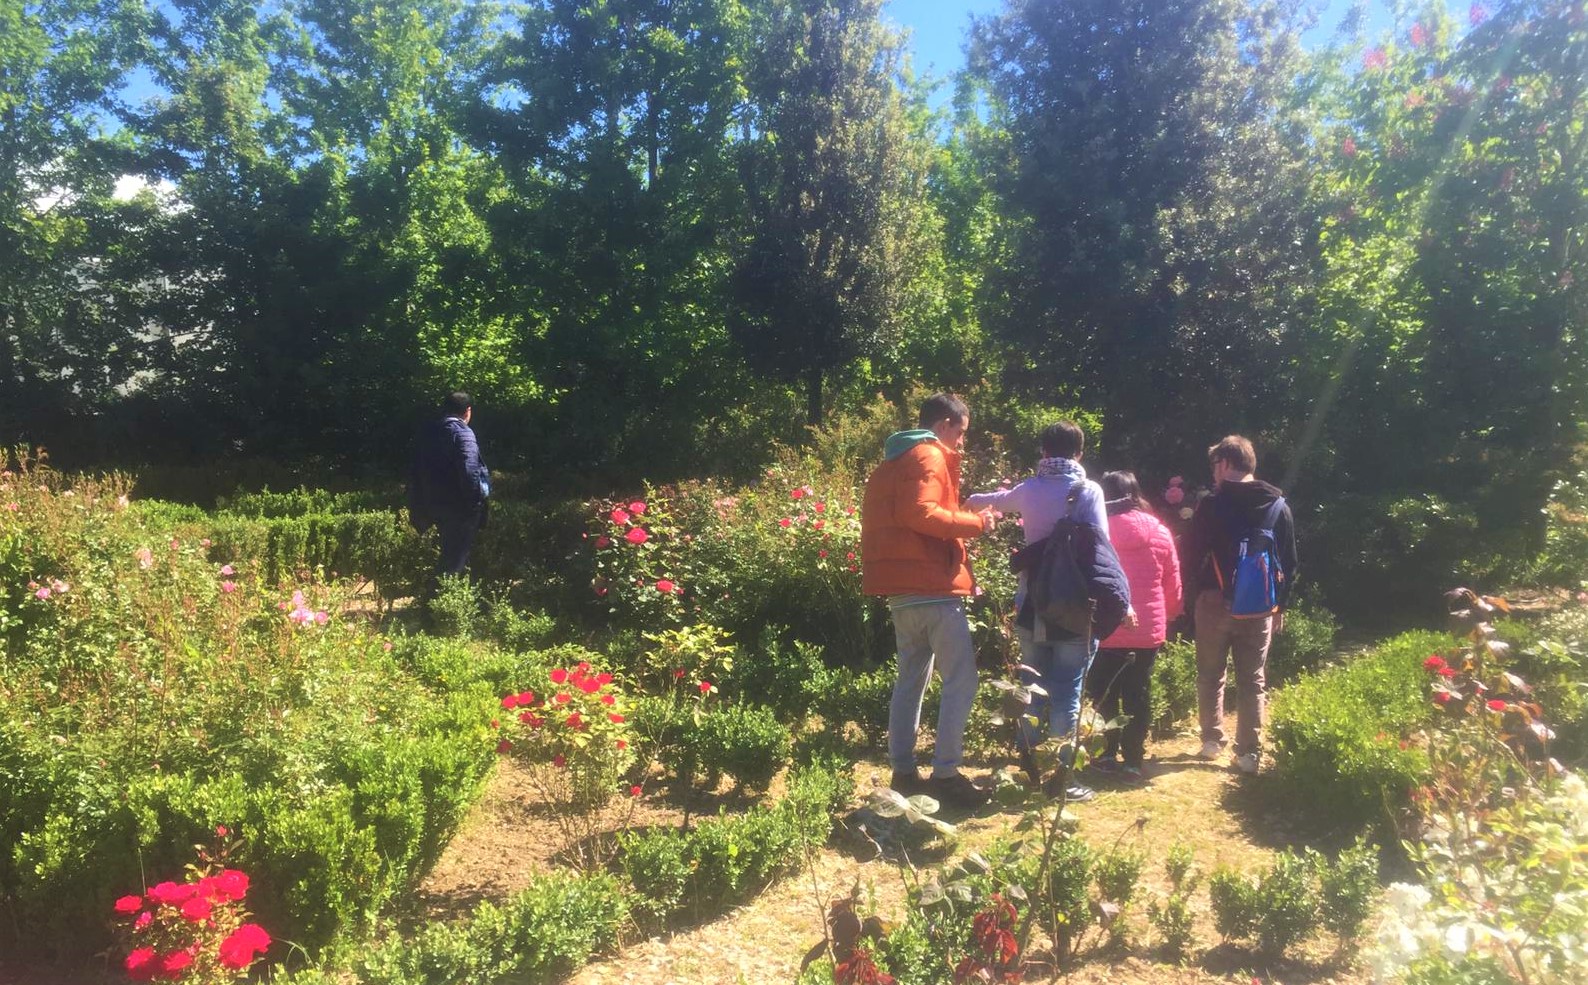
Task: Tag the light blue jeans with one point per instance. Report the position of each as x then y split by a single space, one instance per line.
1061 671
925 631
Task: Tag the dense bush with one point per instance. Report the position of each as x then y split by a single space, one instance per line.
702 871
747 743
1340 737
1174 686
1306 641
540 935
1296 895
148 694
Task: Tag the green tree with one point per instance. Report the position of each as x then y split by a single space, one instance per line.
834 171
65 340
1159 247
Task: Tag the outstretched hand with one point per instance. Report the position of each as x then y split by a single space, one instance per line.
987 521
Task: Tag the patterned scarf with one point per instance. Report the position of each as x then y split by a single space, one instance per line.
1067 468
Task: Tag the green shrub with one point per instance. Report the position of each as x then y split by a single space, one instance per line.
267 505
1174 686
1236 905
1338 736
719 863
542 934
160 695
456 608
1279 910
1306 641
1172 916
844 696
747 743
1348 889
1464 971
1287 899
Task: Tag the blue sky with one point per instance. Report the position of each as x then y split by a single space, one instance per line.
938 29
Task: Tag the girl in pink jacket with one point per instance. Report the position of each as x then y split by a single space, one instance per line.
1120 679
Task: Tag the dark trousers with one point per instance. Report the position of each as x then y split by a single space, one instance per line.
457 540
1120 681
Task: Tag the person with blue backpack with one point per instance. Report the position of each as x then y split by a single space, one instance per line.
1241 565
1071 592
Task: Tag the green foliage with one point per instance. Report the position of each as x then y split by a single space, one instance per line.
1287 898
1174 686
183 704
843 696
1462 971
542 934
1306 642
1340 736
1236 905
456 607
748 743
1348 889
1172 916
700 872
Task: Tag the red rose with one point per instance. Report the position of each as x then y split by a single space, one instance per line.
1447 672
129 904
678 673
238 950
172 965
172 894
1496 705
231 884
1434 662
608 699
820 507
785 522
622 744
503 746
589 685
140 964
510 702
196 910
665 587
559 761
559 676
619 515
637 508
634 791
821 553
144 919
636 535
615 718
603 542
575 721
221 831
797 494
562 698
817 524
705 687
1443 697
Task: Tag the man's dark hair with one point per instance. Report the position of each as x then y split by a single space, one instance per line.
941 406
1236 452
1063 440
456 404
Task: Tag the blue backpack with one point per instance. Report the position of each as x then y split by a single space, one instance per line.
1252 588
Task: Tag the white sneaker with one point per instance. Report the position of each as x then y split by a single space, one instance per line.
1210 750
1247 763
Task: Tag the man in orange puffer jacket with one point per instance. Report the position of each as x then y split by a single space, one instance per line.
912 535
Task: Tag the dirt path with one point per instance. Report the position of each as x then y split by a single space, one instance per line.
1203 805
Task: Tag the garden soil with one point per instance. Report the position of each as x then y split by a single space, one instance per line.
1219 814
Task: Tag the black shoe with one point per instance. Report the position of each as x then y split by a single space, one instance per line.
1028 764
958 792
909 784
1075 792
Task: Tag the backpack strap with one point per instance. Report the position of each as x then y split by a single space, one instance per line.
1271 515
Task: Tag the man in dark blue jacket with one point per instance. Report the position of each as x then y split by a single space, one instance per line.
449 485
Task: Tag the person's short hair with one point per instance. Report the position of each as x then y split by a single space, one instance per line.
456 403
1123 485
1236 452
1063 440
941 406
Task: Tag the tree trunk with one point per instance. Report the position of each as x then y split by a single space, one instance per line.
813 397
